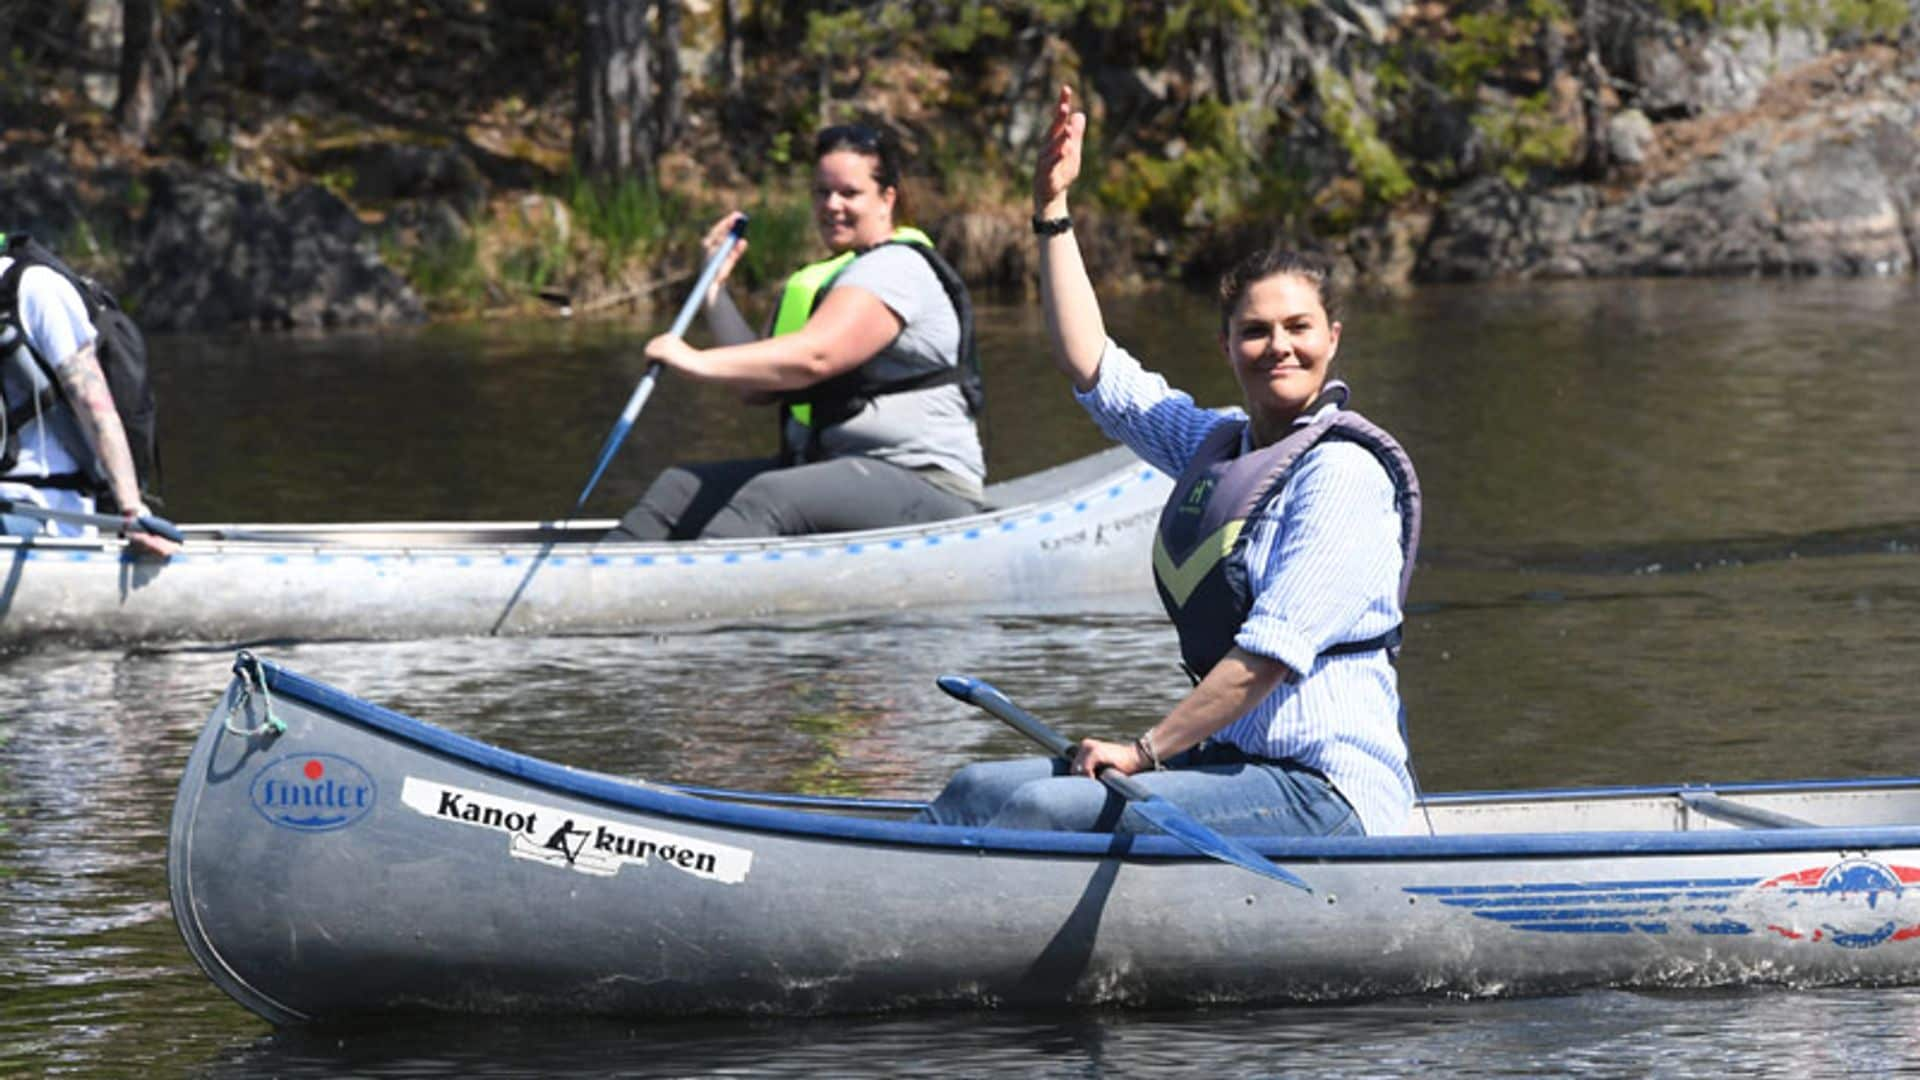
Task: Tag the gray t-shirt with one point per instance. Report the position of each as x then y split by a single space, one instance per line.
918 428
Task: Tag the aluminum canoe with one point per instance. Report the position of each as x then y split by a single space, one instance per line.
1079 532
329 858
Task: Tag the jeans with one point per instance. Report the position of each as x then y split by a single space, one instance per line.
1219 785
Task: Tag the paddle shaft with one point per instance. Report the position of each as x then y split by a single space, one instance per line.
1019 719
158 526
638 399
1172 820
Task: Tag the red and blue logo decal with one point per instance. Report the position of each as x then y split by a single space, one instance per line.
1855 903
313 792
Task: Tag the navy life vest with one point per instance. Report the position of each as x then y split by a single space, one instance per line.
837 400
31 389
1199 553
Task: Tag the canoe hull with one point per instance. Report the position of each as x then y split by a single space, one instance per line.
1078 535
365 863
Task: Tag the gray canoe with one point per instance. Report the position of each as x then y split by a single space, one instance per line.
355 861
1078 532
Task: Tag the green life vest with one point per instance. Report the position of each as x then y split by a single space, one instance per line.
836 399
804 288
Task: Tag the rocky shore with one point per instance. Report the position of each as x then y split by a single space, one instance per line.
1729 151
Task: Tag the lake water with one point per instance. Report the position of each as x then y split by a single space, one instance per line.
1671 537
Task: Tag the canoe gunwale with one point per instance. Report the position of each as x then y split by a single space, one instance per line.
1068 482
737 810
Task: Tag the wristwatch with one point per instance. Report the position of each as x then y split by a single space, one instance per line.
1051 226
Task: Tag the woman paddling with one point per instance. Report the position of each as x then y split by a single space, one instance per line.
1281 557
871 357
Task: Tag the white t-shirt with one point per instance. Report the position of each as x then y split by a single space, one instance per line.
54 319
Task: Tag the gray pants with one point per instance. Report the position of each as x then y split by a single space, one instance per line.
756 497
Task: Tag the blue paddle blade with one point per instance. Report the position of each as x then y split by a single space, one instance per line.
607 447
1176 823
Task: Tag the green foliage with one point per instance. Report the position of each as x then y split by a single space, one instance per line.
625 217
781 152
1215 176
338 181
446 272
967 24
1488 41
969 167
15 88
779 238
1374 162
1682 10
855 32
1878 18
533 266
1875 18
1523 135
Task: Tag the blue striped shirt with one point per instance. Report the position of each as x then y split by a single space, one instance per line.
1323 562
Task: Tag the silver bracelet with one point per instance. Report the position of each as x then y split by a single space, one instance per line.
1144 744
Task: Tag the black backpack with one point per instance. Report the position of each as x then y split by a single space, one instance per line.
122 351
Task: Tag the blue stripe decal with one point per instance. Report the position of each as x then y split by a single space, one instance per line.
1728 928
1573 886
1625 896
1588 928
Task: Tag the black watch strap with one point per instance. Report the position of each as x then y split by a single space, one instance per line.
1051 226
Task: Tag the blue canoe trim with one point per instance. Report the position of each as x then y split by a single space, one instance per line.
616 792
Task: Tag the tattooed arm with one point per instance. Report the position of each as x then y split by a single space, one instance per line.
86 388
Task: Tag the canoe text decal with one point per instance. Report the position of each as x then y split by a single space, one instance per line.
1855 903
574 841
312 792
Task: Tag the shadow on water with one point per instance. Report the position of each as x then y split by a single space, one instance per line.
1603 1033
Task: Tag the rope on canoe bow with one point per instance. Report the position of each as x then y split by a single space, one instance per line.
252 678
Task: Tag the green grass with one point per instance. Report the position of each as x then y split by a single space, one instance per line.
626 217
780 237
446 272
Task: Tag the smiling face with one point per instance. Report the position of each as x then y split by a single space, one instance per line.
850 207
1280 343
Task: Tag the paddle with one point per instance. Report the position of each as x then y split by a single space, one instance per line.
158 526
645 389
1170 819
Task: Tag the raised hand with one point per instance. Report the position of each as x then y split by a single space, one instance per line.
1059 163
